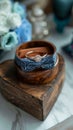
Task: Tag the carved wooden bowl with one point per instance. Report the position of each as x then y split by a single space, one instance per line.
38 76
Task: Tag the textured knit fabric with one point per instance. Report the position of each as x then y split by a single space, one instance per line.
24 32
8 41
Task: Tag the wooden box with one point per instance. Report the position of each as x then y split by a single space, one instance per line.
34 99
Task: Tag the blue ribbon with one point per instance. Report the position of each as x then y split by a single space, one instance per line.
28 65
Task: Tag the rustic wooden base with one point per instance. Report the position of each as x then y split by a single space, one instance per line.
34 99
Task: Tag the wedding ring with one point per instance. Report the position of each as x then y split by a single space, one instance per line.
41 72
36 58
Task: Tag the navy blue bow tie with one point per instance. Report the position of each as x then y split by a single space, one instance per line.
28 65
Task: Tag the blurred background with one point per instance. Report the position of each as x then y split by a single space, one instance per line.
47 19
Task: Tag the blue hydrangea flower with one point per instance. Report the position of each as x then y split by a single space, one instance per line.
24 32
20 9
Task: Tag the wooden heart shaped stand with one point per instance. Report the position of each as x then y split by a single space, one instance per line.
36 99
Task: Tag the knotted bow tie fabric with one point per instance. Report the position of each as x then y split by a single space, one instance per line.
28 65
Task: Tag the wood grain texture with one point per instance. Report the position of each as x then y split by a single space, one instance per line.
34 99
